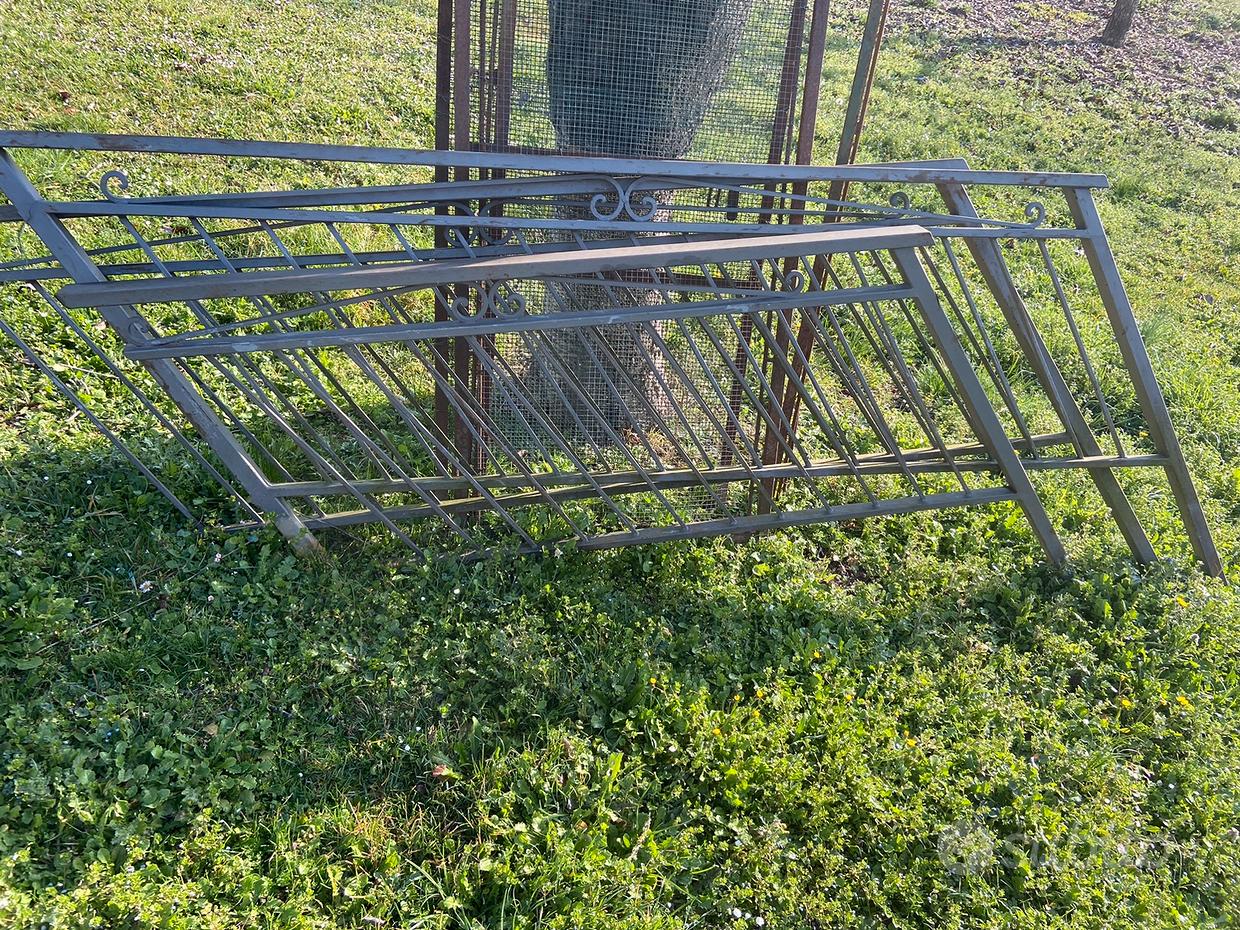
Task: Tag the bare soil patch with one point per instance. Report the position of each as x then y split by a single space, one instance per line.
1181 60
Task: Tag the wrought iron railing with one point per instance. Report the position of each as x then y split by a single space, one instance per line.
607 350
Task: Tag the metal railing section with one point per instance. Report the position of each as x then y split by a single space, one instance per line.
610 350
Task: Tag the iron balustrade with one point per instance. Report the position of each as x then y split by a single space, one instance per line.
608 350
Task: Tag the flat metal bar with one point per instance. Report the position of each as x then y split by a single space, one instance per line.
467 417
148 404
629 483
786 519
132 328
812 90
841 357
251 371
902 377
484 326
1075 330
872 409
785 102
307 151
863 79
569 376
115 441
507 31
503 268
989 356
443 76
879 462
727 432
717 527
827 423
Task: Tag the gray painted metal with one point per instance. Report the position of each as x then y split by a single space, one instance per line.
558 164
503 268
607 351
1137 362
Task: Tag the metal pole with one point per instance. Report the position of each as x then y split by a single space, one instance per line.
859 95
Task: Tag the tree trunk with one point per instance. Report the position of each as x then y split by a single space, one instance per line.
1119 23
636 77
633 78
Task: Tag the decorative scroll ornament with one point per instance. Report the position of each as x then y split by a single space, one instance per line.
608 207
502 300
111 182
795 281
494 299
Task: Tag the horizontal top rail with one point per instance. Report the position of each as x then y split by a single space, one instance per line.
192 345
504 268
310 151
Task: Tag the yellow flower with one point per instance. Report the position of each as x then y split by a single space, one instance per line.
910 742
717 731
1182 601
1125 703
756 715
817 654
1184 702
654 681
736 698
758 694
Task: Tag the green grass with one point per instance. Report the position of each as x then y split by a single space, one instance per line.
905 723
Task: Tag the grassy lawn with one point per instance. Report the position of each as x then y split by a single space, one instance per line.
901 723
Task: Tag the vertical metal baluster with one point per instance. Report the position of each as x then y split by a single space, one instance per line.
70 395
996 366
901 376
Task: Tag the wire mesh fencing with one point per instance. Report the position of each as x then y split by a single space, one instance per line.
710 79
